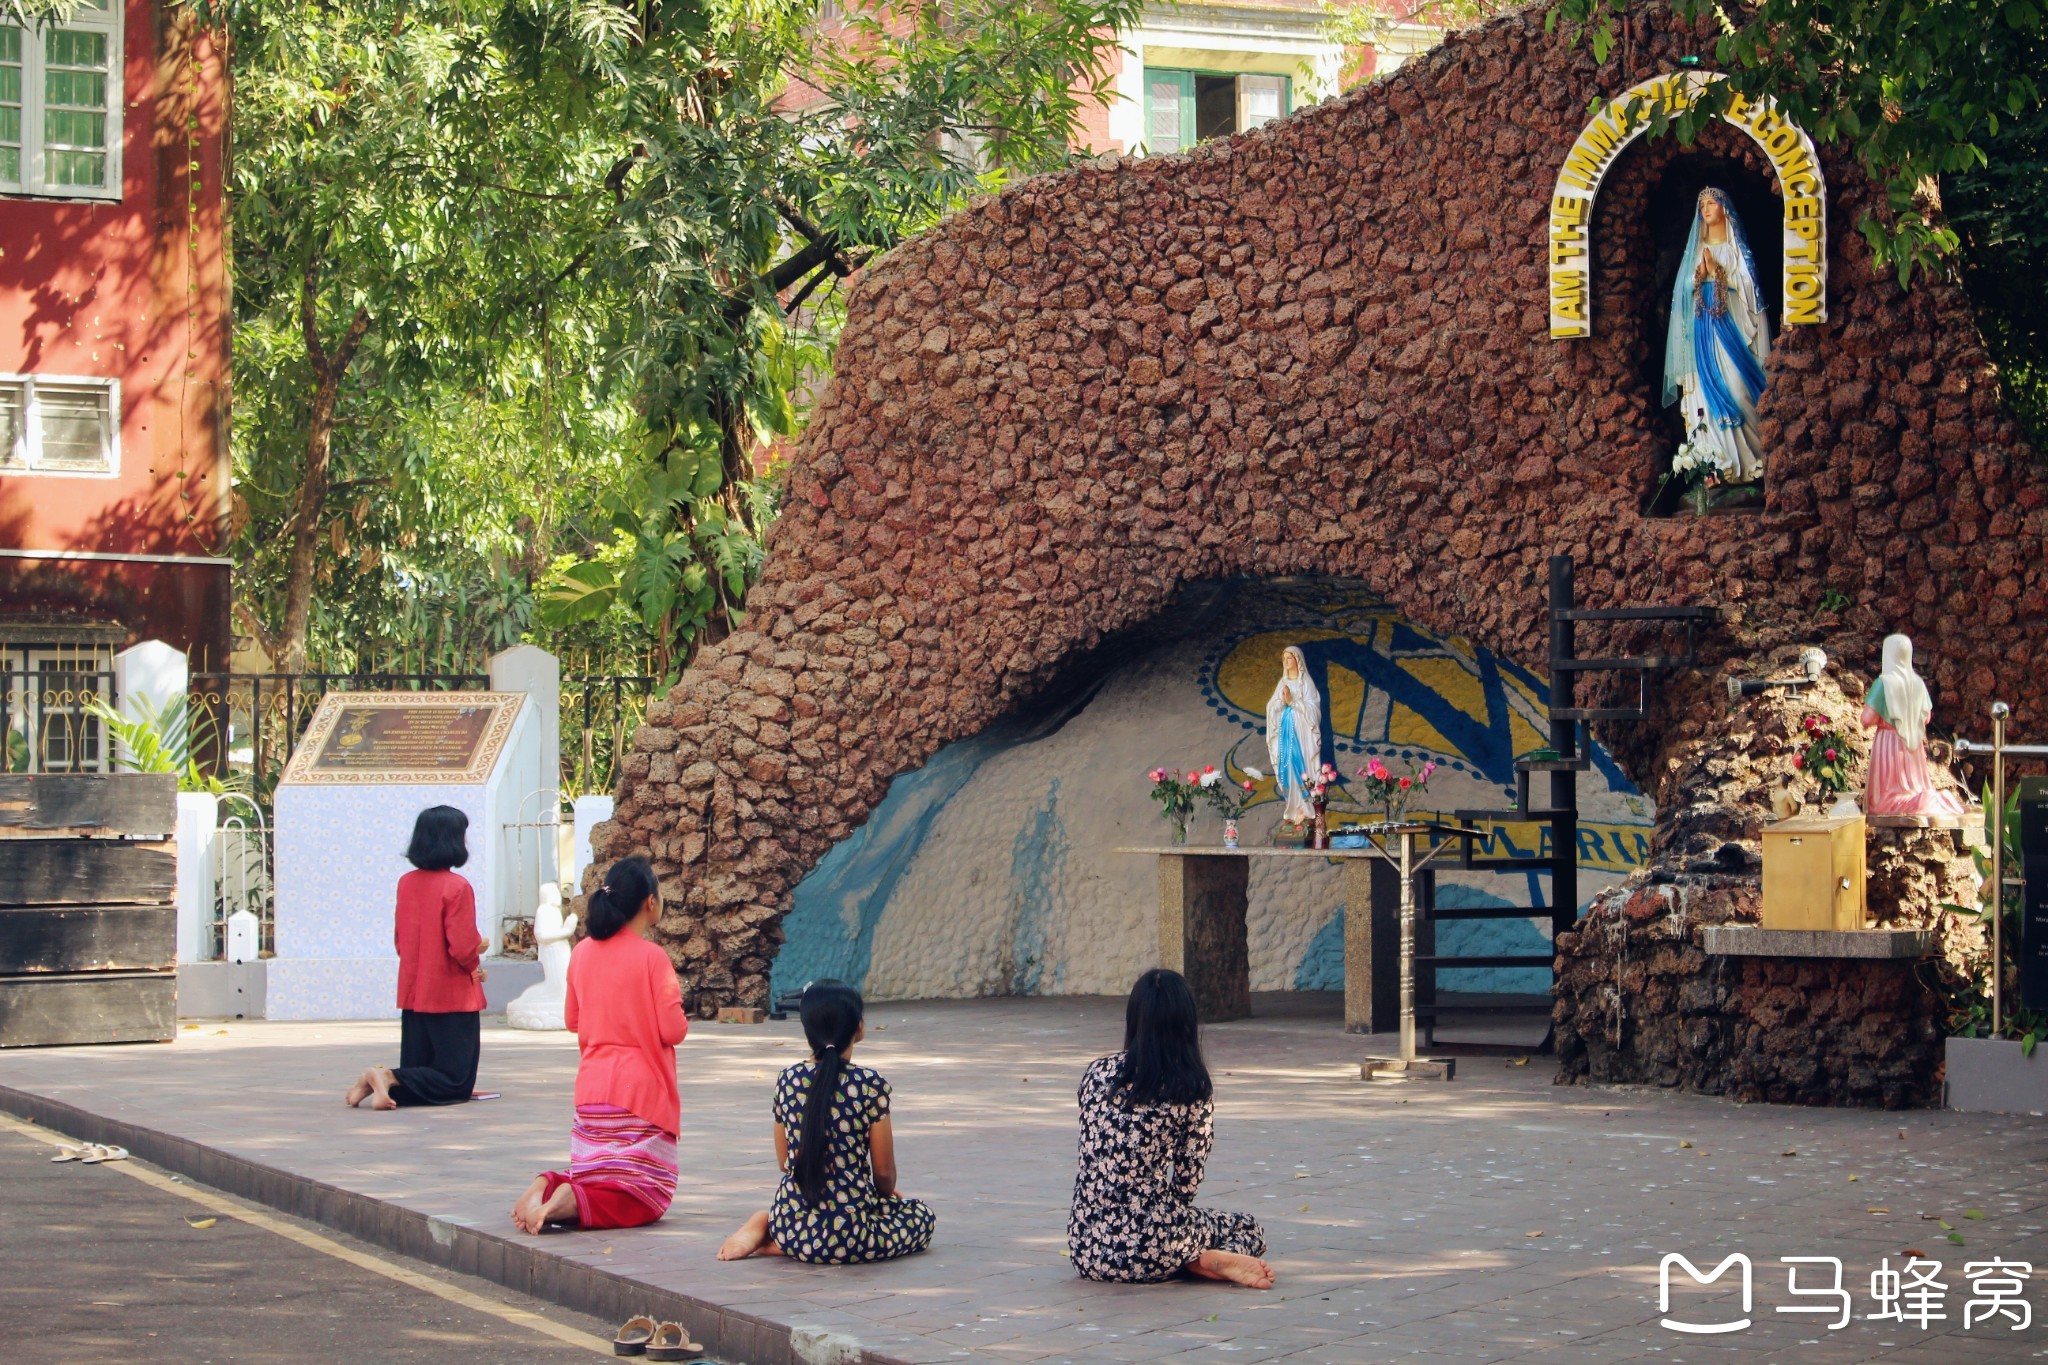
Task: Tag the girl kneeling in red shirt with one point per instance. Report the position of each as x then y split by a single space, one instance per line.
440 974
626 1007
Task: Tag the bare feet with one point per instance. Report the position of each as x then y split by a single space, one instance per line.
1229 1266
381 1080
752 1239
358 1092
526 1213
560 1207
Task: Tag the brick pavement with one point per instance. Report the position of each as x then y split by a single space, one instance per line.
1400 1214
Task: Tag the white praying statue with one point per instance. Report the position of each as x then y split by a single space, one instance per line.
540 1005
1294 734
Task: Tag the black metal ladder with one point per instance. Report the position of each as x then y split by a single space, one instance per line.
1572 744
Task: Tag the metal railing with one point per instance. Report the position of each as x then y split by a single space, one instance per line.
599 714
49 727
260 717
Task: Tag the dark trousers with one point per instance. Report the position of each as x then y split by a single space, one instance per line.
437 1057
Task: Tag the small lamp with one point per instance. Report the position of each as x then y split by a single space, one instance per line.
1813 662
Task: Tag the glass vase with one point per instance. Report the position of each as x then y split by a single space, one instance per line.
1230 834
1177 828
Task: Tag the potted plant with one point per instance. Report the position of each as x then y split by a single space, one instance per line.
1825 757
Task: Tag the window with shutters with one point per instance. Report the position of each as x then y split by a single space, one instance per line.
1183 108
60 104
56 424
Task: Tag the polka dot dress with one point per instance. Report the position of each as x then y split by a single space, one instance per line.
850 1223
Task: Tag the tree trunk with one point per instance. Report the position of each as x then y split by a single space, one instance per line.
313 483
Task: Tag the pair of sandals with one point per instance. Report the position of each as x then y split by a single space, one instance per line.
643 1336
89 1153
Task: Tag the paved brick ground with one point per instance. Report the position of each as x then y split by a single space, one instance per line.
1401 1215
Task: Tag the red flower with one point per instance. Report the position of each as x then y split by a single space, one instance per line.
1799 760
1194 777
1210 769
1249 787
1812 724
1831 755
1406 783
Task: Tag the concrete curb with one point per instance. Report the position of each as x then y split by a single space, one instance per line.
453 1244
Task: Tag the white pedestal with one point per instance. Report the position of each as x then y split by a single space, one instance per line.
339 854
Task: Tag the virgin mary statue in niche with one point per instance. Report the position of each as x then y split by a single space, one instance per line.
1294 734
1718 340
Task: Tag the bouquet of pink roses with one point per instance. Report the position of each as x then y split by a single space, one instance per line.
1393 791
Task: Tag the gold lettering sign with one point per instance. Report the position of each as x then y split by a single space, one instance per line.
1791 154
404 737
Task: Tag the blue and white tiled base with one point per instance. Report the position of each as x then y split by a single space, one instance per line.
332 988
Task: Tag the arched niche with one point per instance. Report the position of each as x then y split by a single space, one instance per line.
1802 277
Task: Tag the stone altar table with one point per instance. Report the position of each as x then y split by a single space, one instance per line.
1202 903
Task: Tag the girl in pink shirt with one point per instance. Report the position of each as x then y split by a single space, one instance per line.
626 1007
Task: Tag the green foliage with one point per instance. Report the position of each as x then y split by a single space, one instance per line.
564 274
1920 92
163 740
1356 25
1966 993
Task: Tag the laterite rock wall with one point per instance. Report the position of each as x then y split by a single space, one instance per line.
1318 347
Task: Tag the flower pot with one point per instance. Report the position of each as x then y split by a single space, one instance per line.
1230 834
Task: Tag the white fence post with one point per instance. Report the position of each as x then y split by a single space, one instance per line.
148 679
198 858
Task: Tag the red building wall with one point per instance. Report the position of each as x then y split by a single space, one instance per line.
133 290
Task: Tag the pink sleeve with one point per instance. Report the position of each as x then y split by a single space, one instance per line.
458 920
669 1019
569 1010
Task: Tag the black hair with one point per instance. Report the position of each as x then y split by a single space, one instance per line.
439 839
831 1012
1162 1043
625 890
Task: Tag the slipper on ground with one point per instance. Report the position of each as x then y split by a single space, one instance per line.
671 1342
632 1338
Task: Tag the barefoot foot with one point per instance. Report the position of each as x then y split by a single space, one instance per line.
1249 1271
526 1213
381 1080
358 1092
751 1238
560 1207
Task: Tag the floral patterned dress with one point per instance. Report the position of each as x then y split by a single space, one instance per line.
851 1223
1134 1217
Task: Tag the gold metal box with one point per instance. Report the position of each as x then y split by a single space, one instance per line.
1813 872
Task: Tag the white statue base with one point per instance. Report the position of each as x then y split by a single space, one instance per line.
540 1005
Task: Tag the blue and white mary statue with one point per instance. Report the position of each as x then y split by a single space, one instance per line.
1294 734
1715 349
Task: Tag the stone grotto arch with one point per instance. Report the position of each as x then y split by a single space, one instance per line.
1320 347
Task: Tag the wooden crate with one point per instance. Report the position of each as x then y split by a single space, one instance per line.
88 920
1813 873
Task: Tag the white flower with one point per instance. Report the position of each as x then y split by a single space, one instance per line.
1211 779
1254 774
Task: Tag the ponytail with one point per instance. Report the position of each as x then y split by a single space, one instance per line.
612 906
831 1012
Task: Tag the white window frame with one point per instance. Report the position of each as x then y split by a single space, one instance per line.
28 446
113 21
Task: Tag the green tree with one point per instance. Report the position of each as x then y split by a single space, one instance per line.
406 213
770 157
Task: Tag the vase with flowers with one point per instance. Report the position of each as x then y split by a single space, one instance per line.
1177 792
1230 798
1392 791
1824 757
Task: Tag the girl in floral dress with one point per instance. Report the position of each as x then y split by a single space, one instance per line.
1146 1128
837 1204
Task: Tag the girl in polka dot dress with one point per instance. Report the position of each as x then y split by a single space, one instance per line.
837 1204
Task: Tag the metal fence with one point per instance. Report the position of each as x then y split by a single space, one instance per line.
248 724
49 726
600 711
